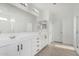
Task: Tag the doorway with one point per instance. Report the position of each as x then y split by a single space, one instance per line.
76 33
57 31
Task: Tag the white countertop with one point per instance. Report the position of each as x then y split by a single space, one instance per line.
5 37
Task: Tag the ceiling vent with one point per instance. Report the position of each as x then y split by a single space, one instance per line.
54 4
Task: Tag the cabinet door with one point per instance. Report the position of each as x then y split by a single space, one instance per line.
3 51
36 45
9 50
13 50
25 47
44 38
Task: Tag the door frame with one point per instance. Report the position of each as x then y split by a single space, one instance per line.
61 32
75 34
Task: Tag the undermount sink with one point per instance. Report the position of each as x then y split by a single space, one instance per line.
15 37
12 37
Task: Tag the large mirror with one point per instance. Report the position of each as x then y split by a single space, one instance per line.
14 20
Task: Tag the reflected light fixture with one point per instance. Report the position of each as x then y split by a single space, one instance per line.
3 19
12 20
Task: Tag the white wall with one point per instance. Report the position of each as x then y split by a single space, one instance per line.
64 12
76 9
59 12
76 27
21 18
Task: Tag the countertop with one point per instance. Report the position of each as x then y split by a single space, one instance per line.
11 38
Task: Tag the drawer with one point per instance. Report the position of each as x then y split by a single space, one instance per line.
36 41
35 51
36 45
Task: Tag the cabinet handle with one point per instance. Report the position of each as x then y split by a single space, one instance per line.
37 41
77 46
37 45
21 46
37 38
45 37
17 47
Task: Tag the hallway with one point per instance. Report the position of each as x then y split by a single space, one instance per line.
57 50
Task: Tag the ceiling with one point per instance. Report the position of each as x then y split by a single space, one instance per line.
58 10
41 6
45 6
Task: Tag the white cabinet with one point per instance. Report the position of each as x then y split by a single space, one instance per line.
25 47
43 33
9 50
22 48
44 38
3 51
13 50
36 45
39 42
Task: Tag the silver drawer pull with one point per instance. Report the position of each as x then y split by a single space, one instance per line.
21 46
37 41
37 38
17 47
45 36
37 45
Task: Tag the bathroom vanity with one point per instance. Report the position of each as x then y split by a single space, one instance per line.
19 35
15 44
21 44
